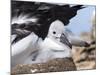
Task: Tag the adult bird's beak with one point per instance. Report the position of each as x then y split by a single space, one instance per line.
65 40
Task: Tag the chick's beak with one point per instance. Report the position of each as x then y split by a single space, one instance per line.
65 40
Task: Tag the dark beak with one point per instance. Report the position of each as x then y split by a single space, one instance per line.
65 40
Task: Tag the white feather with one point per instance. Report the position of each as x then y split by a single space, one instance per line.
51 47
23 48
23 19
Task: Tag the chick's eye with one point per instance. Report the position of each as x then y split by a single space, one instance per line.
54 32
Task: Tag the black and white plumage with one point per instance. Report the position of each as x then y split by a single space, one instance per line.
30 26
36 50
37 17
51 47
23 48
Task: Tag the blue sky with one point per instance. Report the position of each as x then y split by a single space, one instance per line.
82 21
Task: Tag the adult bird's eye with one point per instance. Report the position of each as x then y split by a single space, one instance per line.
54 32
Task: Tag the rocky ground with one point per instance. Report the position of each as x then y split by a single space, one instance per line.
56 65
85 58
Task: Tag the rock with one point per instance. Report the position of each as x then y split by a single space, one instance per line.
55 65
85 57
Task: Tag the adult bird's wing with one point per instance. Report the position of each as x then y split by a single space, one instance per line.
37 16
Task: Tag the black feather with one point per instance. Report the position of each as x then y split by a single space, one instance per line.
45 13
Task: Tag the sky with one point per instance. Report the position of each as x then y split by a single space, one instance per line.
82 21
